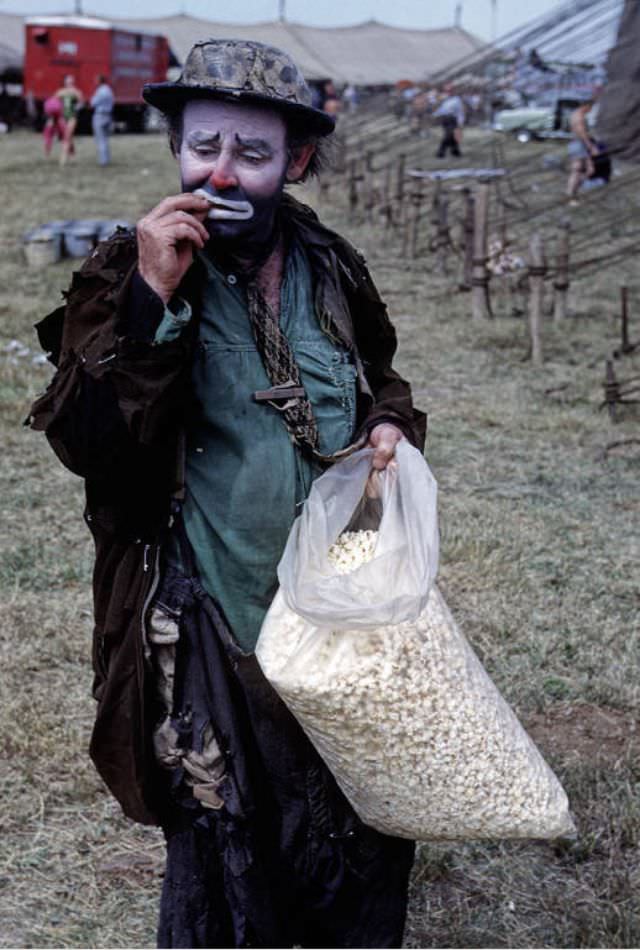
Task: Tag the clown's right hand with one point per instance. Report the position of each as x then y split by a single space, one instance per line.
167 237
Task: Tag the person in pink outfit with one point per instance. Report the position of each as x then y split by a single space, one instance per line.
54 125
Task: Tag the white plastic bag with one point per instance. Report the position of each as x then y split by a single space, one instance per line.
415 732
394 585
384 683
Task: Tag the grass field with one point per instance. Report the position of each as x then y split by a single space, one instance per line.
539 564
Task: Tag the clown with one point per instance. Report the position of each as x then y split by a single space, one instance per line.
210 367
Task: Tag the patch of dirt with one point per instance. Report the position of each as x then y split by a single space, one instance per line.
585 731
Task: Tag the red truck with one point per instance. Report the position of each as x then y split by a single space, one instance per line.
84 47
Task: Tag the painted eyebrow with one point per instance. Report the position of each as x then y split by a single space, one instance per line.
259 145
198 137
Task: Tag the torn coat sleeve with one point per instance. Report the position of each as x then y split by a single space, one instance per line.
114 395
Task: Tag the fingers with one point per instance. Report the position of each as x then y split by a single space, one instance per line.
167 237
186 232
383 454
383 459
182 226
186 201
154 224
384 439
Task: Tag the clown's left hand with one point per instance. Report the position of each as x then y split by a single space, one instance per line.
384 438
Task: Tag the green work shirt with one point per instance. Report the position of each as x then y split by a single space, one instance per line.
245 478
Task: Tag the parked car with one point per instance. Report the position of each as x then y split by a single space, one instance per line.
543 121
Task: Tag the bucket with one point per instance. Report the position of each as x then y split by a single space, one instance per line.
80 238
58 227
42 247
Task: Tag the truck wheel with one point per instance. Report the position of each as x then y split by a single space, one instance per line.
523 135
135 122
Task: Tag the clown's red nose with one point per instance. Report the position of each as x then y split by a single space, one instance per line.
221 180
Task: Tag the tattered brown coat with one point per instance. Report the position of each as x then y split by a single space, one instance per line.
113 413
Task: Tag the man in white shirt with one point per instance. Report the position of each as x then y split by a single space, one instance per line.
451 113
102 105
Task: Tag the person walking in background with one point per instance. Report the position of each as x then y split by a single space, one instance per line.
102 104
582 150
72 100
54 123
330 101
332 106
418 112
350 97
451 113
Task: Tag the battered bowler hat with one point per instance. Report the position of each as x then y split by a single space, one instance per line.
241 71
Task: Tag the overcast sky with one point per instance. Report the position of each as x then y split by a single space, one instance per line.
477 15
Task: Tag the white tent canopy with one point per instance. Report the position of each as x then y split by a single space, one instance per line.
368 53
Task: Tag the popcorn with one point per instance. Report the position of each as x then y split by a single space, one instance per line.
415 732
352 549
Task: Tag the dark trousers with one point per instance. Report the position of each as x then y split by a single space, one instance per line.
449 126
286 861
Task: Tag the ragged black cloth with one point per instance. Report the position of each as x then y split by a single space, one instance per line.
285 861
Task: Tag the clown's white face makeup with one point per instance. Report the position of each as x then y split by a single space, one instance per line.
236 155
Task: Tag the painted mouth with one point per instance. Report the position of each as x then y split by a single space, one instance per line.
223 209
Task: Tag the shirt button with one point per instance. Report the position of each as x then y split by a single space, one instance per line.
232 279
